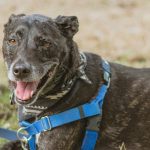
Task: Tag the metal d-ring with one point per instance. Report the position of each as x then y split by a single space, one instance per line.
23 137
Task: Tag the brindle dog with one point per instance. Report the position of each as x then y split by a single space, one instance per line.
36 49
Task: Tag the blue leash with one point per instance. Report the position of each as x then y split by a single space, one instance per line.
9 134
88 110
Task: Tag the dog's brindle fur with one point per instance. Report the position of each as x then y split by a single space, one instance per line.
126 109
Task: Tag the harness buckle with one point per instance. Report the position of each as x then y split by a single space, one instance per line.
44 125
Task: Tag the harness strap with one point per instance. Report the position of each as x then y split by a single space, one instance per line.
32 143
92 131
89 140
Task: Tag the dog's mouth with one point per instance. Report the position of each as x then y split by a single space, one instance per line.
25 92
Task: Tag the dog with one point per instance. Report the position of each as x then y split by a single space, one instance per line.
48 75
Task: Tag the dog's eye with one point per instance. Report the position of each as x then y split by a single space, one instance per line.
12 41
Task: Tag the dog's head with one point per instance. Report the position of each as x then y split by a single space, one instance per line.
35 47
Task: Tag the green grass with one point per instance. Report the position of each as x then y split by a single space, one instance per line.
8 115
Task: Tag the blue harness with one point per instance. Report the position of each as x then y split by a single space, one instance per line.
91 110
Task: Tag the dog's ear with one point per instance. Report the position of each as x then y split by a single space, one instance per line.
68 25
12 18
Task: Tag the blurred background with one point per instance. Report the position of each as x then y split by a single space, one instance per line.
118 30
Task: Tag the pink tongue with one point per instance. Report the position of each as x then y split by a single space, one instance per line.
25 90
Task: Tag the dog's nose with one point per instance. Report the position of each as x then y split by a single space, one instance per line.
21 70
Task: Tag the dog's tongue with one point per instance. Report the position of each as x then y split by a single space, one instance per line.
25 90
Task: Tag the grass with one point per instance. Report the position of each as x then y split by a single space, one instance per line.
8 117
